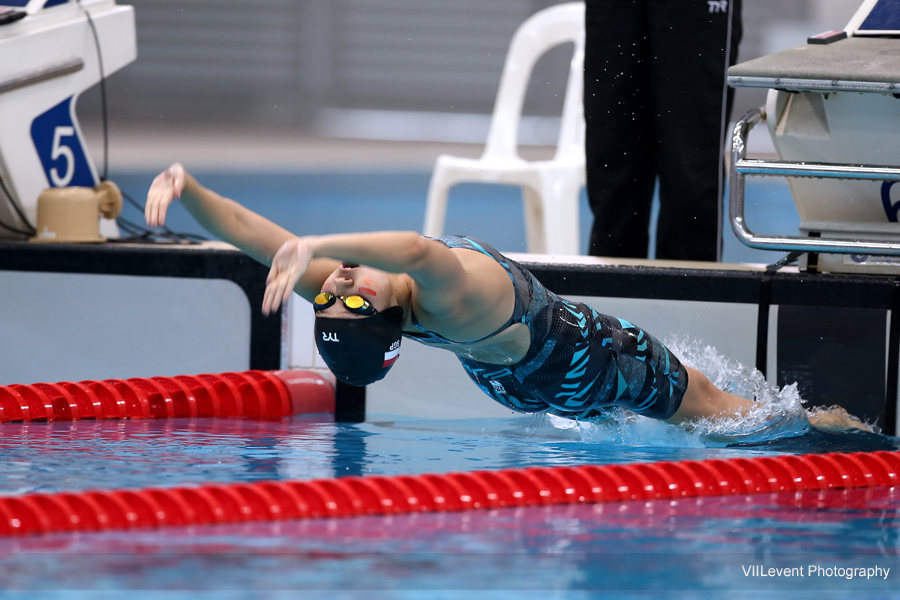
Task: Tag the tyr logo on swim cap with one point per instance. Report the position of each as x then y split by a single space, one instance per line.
360 351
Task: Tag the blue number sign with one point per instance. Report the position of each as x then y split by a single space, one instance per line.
62 155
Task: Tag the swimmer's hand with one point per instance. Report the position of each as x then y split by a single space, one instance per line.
165 189
289 264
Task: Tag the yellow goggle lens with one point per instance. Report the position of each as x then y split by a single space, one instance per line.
322 299
354 301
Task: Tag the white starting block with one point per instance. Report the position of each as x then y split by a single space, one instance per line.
48 56
833 112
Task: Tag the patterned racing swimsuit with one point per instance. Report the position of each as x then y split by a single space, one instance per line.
579 361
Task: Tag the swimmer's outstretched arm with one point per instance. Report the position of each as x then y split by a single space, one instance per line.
475 294
255 235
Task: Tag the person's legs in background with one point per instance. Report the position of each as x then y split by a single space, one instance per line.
687 41
620 141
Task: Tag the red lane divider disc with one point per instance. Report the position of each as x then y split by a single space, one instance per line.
160 401
34 401
183 402
136 405
580 483
112 403
63 404
278 401
290 505
88 402
205 398
254 401
228 393
12 407
474 491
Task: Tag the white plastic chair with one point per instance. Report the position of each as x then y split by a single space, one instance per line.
551 188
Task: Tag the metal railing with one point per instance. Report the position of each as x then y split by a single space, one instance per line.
741 166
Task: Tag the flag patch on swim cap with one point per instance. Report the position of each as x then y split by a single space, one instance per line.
390 357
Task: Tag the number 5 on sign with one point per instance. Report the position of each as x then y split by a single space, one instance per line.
59 148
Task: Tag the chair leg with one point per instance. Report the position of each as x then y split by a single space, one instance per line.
533 207
436 204
561 218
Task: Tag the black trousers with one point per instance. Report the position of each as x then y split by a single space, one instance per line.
654 72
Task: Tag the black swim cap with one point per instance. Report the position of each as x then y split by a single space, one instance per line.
360 351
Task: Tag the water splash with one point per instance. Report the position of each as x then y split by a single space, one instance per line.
779 412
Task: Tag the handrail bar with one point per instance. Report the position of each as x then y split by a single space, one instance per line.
741 166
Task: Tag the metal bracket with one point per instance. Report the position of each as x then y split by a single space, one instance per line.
741 166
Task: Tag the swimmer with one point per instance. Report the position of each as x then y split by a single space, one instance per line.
523 345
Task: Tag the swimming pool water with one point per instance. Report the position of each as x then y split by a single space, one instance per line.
695 547
79 455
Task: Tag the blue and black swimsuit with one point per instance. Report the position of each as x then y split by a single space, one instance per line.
580 362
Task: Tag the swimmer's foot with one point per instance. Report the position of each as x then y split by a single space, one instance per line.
835 418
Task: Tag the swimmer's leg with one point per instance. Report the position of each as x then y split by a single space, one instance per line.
703 399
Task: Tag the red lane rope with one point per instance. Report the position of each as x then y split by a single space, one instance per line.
379 495
252 394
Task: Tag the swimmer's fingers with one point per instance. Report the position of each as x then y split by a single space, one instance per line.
270 294
268 297
279 276
288 265
277 291
151 211
165 189
283 291
273 280
290 282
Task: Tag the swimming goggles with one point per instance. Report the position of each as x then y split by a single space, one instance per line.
355 303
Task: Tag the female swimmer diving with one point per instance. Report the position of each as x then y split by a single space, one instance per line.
523 345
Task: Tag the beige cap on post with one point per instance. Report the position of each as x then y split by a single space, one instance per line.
72 214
